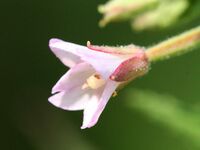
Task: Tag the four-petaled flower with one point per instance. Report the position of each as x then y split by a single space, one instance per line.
94 75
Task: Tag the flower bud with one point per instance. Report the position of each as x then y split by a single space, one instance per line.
131 68
116 10
156 17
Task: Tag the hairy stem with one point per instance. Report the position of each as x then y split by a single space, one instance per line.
179 44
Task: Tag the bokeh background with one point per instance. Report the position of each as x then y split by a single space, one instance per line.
160 111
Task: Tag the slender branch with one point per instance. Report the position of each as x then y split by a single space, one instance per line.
174 46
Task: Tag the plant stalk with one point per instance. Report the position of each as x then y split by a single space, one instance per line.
176 45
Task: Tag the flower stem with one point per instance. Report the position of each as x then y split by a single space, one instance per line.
177 45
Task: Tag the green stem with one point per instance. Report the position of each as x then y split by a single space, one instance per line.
182 43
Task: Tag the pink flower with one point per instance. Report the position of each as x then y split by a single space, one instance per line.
94 75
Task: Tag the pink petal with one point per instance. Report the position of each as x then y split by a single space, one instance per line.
70 54
95 107
65 52
103 63
76 76
75 99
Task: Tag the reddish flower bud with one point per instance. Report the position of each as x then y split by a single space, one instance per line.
131 68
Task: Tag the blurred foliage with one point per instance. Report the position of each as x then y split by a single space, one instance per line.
148 14
29 70
171 112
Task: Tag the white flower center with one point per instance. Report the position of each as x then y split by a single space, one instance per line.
94 82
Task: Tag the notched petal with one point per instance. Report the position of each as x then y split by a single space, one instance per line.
76 76
96 106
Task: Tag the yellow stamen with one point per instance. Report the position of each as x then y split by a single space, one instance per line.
114 94
88 43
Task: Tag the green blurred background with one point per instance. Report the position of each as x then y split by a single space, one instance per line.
160 111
